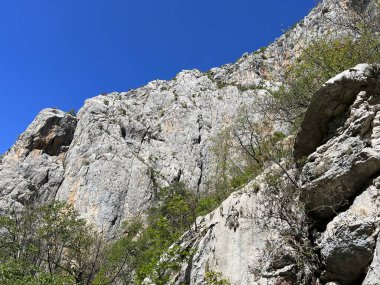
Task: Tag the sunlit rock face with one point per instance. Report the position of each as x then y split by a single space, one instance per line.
127 145
339 185
111 159
33 169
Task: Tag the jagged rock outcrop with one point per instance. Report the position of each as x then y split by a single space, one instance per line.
348 244
342 121
32 170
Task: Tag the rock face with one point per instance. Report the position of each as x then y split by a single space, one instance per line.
32 170
126 145
347 245
340 185
342 121
112 158
246 239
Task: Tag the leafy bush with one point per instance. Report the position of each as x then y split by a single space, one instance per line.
321 60
215 278
47 245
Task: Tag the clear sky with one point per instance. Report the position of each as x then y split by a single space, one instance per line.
57 53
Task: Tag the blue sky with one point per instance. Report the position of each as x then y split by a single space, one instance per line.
57 53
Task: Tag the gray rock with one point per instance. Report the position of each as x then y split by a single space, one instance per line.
128 145
32 170
343 118
373 274
246 239
347 246
330 104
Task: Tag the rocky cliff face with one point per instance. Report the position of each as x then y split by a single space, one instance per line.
112 158
33 169
126 145
253 239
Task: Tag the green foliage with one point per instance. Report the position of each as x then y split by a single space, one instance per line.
72 112
175 213
46 244
260 50
321 60
243 150
122 256
243 177
160 233
215 278
12 272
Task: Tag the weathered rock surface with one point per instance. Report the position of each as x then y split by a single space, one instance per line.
342 126
128 145
347 245
33 168
244 239
342 121
373 274
341 188
110 161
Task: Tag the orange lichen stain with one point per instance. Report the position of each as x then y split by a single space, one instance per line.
73 193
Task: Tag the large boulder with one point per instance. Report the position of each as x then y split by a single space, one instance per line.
342 126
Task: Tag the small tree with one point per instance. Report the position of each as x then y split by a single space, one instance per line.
48 241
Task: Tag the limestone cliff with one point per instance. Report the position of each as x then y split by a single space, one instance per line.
253 238
110 160
125 145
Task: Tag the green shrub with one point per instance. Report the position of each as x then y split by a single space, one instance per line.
72 112
46 245
215 278
321 60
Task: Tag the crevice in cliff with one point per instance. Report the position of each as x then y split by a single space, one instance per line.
189 268
312 236
177 178
113 221
123 132
347 188
200 176
318 227
200 163
320 224
367 267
